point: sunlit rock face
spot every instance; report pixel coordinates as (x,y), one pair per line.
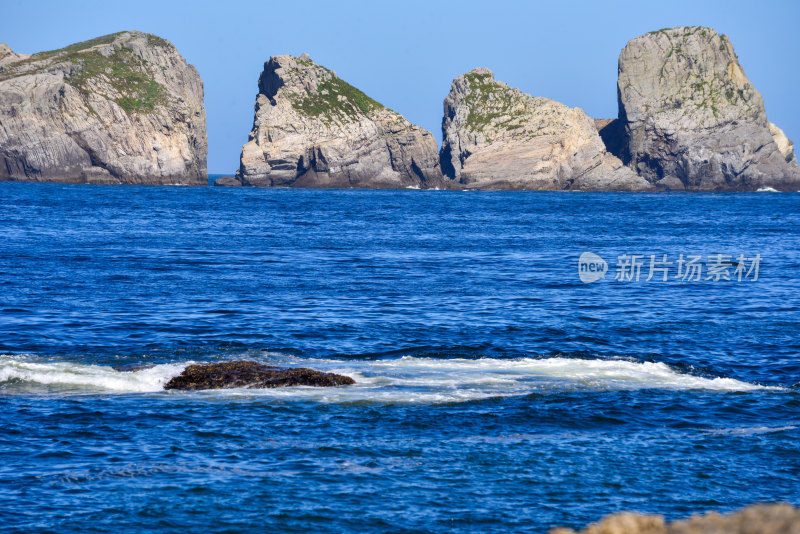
(692,120)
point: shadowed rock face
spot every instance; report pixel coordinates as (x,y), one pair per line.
(312,129)
(120,109)
(693,120)
(496,137)
(227,181)
(756,519)
(253,375)
(611,133)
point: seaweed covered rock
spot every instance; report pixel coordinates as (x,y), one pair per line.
(123,108)
(313,129)
(692,119)
(496,137)
(247,374)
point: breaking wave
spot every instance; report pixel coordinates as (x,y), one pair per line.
(29,376)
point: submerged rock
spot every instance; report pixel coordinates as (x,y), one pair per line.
(756,519)
(312,129)
(245,374)
(123,108)
(692,119)
(496,137)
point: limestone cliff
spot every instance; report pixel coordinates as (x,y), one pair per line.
(124,108)
(692,119)
(496,137)
(312,129)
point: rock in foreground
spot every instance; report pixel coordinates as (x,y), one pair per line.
(692,120)
(756,519)
(312,129)
(121,109)
(496,137)
(244,374)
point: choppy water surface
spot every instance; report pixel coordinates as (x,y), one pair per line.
(495,391)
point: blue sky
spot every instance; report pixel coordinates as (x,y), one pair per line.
(406,53)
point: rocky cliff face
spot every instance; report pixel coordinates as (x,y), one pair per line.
(496,137)
(312,129)
(124,108)
(693,120)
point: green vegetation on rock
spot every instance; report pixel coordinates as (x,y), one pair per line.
(491,103)
(155,40)
(336,97)
(77,47)
(125,72)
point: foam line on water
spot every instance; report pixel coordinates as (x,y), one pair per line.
(74,376)
(405,380)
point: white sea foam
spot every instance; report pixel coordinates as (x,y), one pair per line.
(401,380)
(411,379)
(67,376)
(747,431)
(767,190)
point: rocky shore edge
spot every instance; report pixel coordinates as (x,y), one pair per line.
(754,519)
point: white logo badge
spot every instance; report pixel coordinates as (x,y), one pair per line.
(591,267)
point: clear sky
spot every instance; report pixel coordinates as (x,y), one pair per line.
(405,53)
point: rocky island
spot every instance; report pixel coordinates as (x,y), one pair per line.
(689,118)
(127,108)
(496,137)
(120,109)
(313,129)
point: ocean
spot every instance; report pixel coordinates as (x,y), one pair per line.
(515,368)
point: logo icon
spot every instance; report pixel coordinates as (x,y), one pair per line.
(591,267)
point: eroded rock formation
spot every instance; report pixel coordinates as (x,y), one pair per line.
(123,108)
(692,120)
(313,129)
(496,137)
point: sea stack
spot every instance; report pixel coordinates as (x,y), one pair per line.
(121,109)
(691,120)
(496,137)
(313,129)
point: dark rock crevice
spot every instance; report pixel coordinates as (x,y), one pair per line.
(612,132)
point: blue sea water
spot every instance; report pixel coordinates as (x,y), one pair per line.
(495,391)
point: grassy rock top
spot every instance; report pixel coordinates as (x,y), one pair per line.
(315,91)
(494,110)
(112,66)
